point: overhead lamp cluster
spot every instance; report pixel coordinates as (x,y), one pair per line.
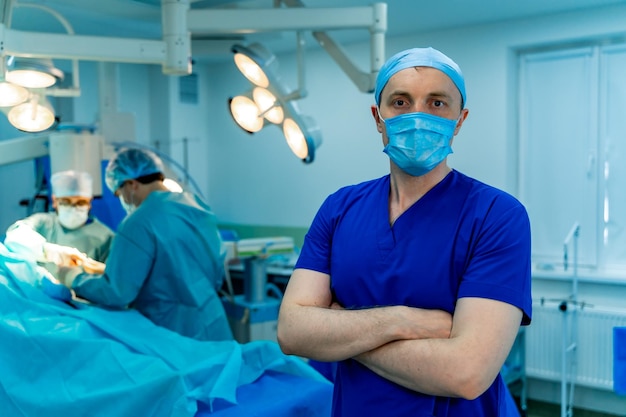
(269,102)
(22,92)
(27,78)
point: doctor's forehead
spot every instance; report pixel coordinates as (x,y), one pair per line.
(425,80)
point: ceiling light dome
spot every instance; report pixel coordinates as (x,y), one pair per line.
(32,72)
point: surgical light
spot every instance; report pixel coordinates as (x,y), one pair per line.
(246,113)
(269,102)
(12,94)
(34,115)
(302,137)
(32,73)
(268,105)
(254,61)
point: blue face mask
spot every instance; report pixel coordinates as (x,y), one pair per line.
(418,142)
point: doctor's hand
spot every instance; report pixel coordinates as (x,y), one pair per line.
(63,255)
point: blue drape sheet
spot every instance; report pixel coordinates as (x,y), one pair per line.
(61,358)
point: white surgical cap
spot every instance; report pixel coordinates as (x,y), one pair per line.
(72,184)
(130,164)
(420,57)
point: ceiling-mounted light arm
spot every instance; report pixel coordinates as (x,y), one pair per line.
(74,91)
(365,81)
(296,17)
(107,49)
(90,48)
(301,92)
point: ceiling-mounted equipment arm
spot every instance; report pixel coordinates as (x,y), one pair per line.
(173,52)
(176,36)
(90,48)
(299,18)
(365,81)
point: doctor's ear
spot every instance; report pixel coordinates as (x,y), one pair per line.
(462,118)
(377,119)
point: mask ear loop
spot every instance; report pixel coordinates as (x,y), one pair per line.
(379,115)
(456,124)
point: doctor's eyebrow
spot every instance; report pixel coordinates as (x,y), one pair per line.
(437,95)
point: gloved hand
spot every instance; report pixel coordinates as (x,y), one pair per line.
(63,255)
(91,266)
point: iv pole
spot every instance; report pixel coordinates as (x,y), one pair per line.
(569,338)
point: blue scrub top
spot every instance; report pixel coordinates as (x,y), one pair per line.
(166,263)
(461,239)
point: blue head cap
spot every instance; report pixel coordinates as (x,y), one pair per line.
(420,57)
(130,164)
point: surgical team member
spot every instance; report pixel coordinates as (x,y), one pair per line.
(67,235)
(166,257)
(418,281)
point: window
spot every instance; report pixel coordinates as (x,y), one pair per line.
(572,118)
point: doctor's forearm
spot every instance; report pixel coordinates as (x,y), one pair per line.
(431,366)
(330,334)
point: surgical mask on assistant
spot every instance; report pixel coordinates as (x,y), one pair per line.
(128,208)
(418,142)
(73,217)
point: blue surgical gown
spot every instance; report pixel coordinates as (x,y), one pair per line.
(165,262)
(461,239)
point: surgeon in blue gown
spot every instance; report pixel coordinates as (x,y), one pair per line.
(166,259)
(416,282)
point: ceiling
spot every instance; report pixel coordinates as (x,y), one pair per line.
(142,18)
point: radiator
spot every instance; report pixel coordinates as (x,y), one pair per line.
(593,356)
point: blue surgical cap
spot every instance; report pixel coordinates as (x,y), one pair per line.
(420,57)
(130,164)
(71,184)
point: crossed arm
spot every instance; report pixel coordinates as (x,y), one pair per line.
(428,351)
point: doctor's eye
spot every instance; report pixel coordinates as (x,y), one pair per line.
(69,203)
(400,102)
(438,103)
